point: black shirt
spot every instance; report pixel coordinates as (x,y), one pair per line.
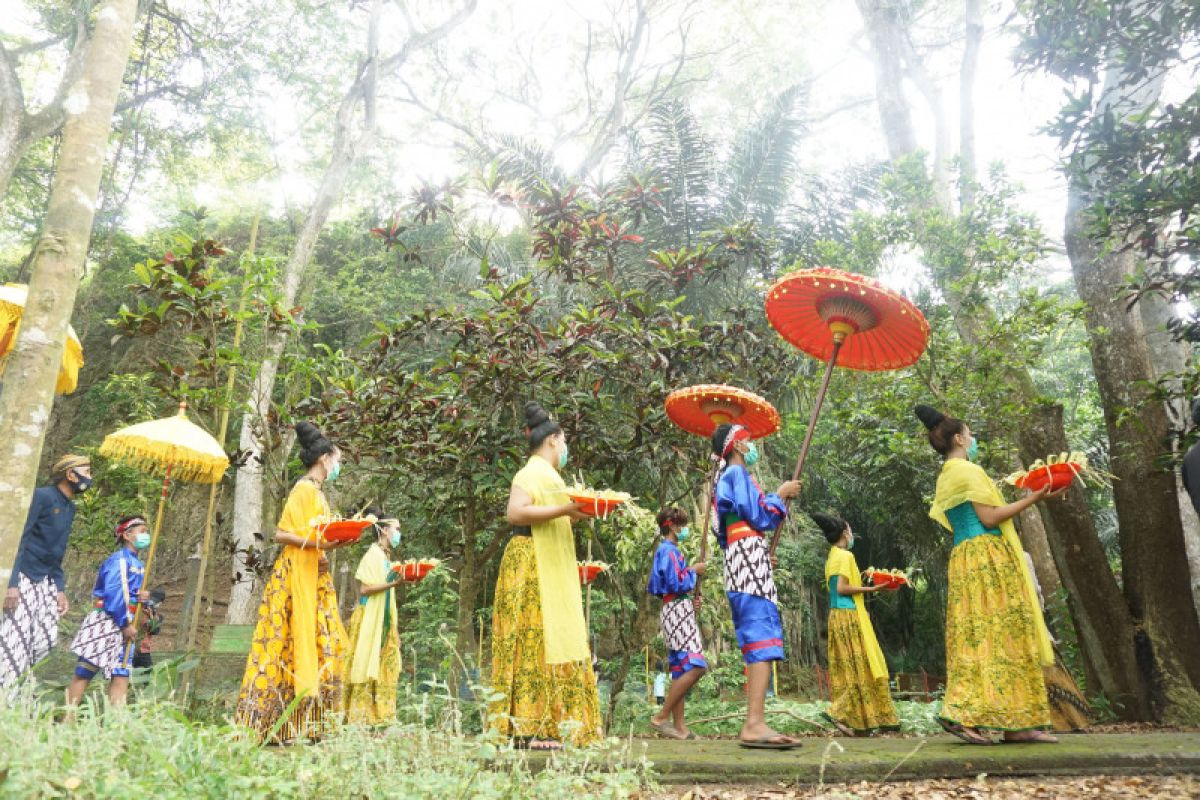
(44,541)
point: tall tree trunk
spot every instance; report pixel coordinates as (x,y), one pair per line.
(28,391)
(350,140)
(1154,576)
(1170,357)
(1102,622)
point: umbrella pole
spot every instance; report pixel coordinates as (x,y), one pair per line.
(158,518)
(812,422)
(708,493)
(587,615)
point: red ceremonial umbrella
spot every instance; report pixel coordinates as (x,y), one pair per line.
(700,409)
(845,320)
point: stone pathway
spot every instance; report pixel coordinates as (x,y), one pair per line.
(722,761)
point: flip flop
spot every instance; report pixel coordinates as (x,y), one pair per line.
(768,743)
(1037,740)
(956,730)
(842,729)
(666,729)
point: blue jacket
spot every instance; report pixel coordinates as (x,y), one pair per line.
(738,496)
(670,573)
(119,570)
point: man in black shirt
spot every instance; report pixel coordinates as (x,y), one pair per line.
(35,600)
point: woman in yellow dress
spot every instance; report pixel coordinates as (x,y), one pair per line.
(541,662)
(996,639)
(299,642)
(373,668)
(858,674)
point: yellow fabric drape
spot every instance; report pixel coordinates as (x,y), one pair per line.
(558,574)
(373,570)
(305,509)
(961,481)
(841,562)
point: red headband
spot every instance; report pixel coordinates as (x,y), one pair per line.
(127,524)
(736,434)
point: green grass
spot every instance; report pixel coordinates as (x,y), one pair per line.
(786,716)
(154,750)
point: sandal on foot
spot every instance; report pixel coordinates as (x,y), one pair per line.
(954,729)
(1038,737)
(666,729)
(841,728)
(769,743)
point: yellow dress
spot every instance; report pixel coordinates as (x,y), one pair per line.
(858,677)
(996,643)
(299,641)
(542,698)
(373,669)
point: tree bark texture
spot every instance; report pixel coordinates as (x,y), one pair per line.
(28,390)
(1154,573)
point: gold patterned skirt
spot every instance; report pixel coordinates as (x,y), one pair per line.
(268,686)
(372,702)
(858,700)
(538,697)
(993,672)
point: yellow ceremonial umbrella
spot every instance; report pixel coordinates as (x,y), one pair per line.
(12,306)
(171,447)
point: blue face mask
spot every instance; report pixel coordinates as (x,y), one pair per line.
(563,456)
(850,544)
(973,449)
(683,534)
(751,457)
(395,539)
(333,473)
(141,541)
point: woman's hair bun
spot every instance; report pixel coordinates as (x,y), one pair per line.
(929,416)
(307,433)
(535,415)
(832,527)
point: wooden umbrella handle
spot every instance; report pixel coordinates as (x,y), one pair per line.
(812,426)
(708,493)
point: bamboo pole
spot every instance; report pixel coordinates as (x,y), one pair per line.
(222,430)
(587,611)
(649,682)
(131,647)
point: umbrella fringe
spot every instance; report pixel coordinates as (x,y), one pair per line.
(153,458)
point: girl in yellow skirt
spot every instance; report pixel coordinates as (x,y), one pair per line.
(541,662)
(299,642)
(373,669)
(858,674)
(996,639)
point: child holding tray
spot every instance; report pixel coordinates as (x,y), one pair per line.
(858,674)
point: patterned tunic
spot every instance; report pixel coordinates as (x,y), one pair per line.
(671,580)
(744,514)
(99,641)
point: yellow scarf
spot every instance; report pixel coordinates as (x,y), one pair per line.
(841,562)
(372,570)
(305,509)
(564,632)
(961,482)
